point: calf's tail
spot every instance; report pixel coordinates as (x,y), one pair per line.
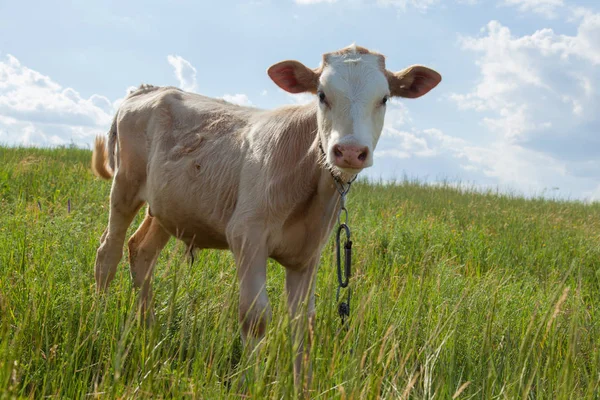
(103,156)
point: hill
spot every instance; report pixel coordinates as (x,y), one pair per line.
(456,293)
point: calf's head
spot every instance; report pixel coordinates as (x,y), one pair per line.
(353,87)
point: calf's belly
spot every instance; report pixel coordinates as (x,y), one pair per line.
(188,217)
(194,233)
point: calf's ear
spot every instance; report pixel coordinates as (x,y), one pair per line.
(412,82)
(294,77)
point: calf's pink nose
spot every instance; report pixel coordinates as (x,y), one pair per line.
(350,156)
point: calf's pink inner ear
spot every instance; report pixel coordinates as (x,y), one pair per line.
(294,77)
(413,82)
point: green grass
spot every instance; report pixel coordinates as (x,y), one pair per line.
(455,293)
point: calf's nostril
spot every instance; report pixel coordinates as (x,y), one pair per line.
(337,152)
(362,156)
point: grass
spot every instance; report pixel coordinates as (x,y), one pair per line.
(457,294)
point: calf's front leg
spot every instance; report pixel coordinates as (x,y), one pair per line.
(250,255)
(300,287)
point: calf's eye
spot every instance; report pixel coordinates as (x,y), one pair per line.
(384,101)
(322,97)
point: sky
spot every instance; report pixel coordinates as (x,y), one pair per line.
(518,108)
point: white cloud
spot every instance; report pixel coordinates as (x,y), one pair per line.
(435,155)
(238,98)
(513,123)
(547,8)
(515,166)
(586,44)
(299,98)
(28,95)
(523,78)
(304,2)
(401,5)
(425,151)
(37,110)
(397,112)
(421,5)
(538,104)
(407,144)
(184,72)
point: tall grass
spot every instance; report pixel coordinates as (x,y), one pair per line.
(457,294)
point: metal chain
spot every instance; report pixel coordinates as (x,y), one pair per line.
(343,274)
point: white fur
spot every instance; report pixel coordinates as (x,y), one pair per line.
(354,85)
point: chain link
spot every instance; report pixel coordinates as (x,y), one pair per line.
(343,273)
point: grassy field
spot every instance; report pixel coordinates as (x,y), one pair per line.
(456,295)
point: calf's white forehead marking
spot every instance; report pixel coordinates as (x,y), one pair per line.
(357,77)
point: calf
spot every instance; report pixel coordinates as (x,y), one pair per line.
(260,183)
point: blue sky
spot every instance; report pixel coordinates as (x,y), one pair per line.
(518,107)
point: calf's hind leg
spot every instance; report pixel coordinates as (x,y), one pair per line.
(144,247)
(124,204)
